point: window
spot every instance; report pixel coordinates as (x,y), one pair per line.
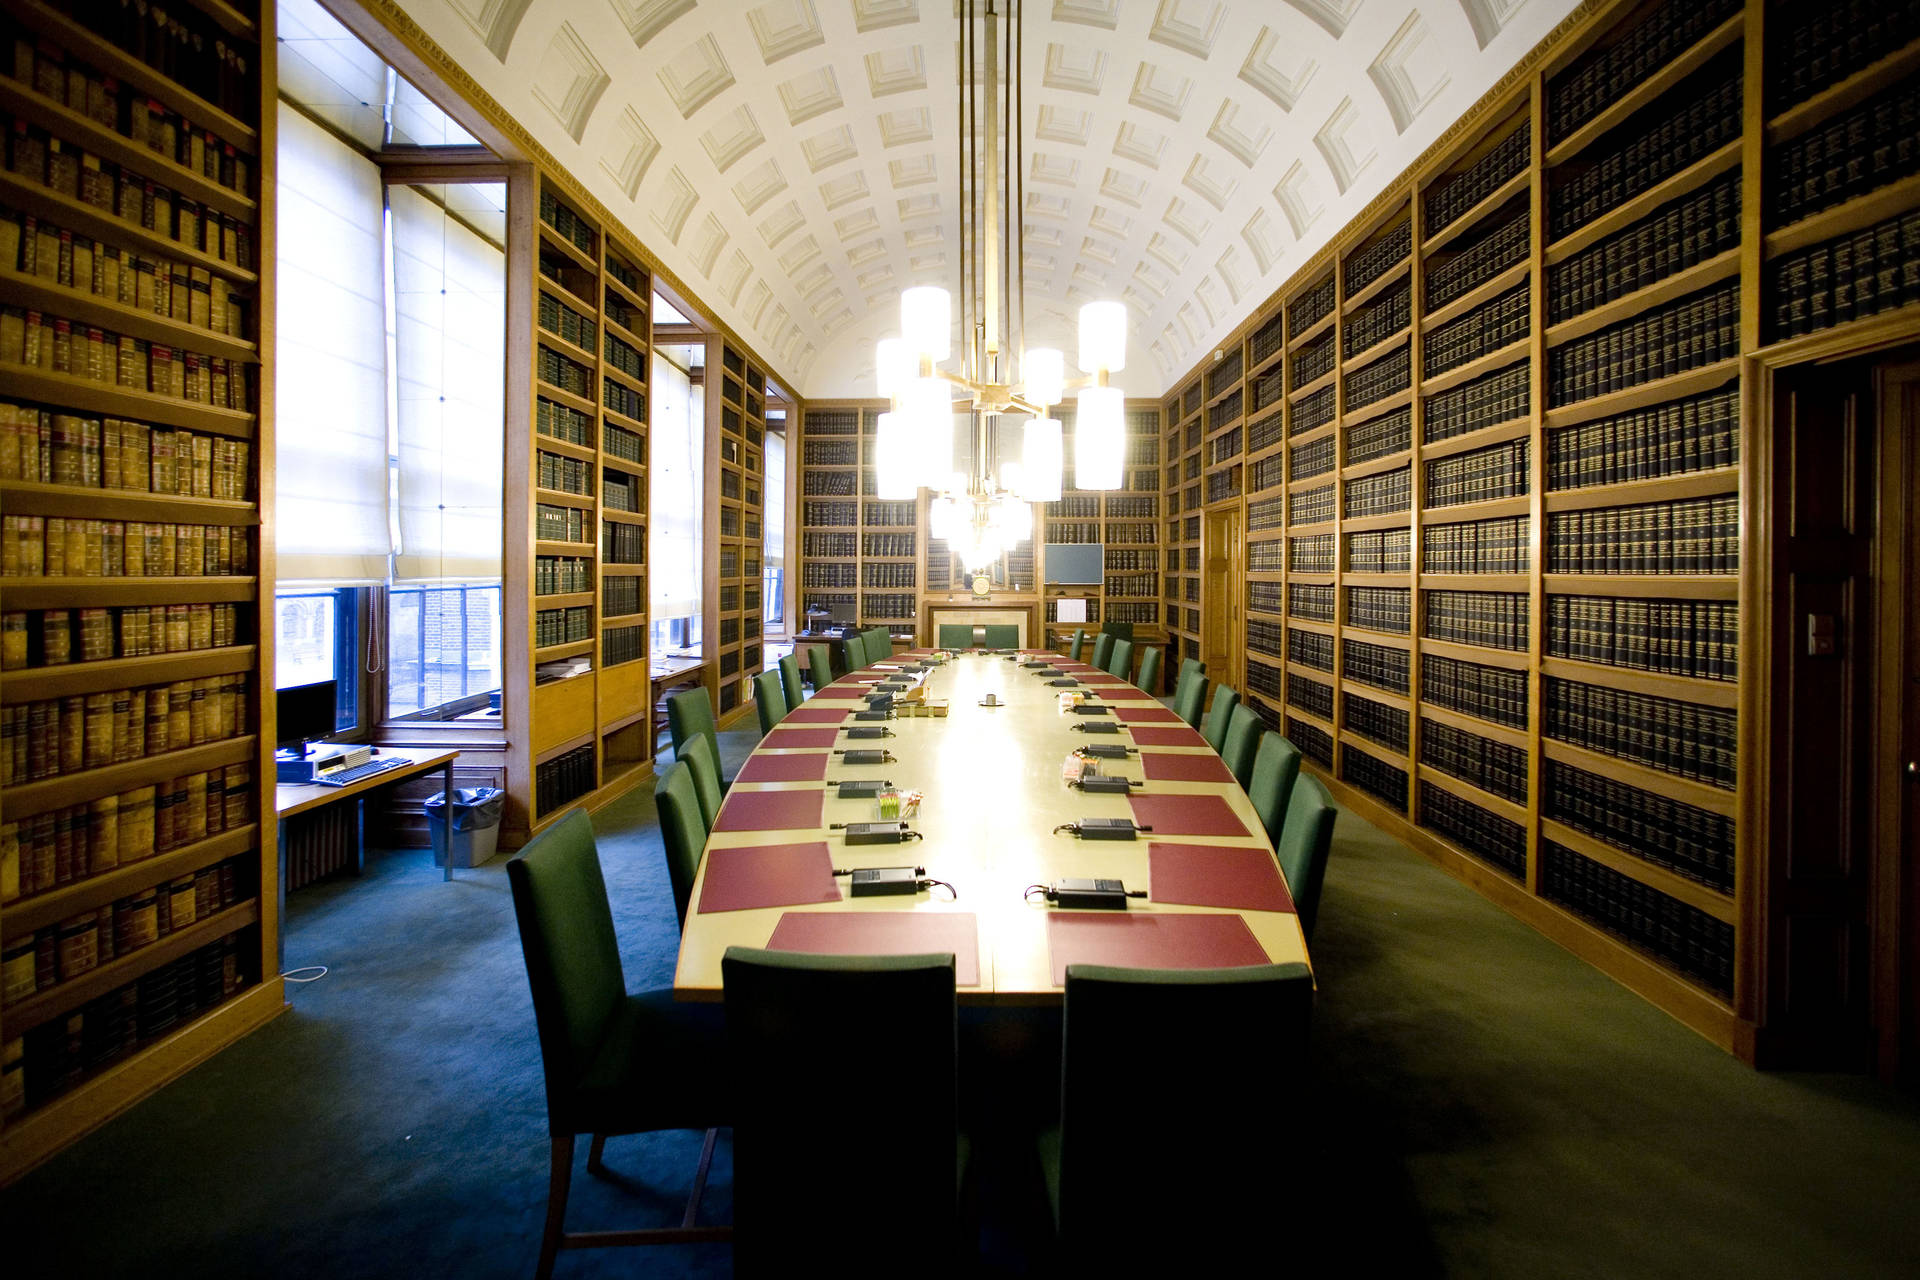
(317,637)
(444,649)
(676,458)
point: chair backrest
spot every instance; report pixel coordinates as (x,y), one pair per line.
(690,712)
(1102,650)
(1192,666)
(1079,643)
(1275,766)
(572,954)
(879,645)
(790,681)
(799,1029)
(819,666)
(1190,696)
(1149,678)
(1219,1046)
(1002,635)
(1243,741)
(704,765)
(1118,630)
(1305,841)
(1219,716)
(956,635)
(685,836)
(1120,659)
(769,700)
(856,649)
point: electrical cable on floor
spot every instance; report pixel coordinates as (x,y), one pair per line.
(318,971)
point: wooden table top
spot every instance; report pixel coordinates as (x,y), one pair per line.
(993,795)
(298,798)
(668,668)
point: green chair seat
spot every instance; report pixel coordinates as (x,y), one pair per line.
(1219,716)
(1305,841)
(769,700)
(1275,767)
(790,682)
(1244,731)
(1149,678)
(956,635)
(1000,635)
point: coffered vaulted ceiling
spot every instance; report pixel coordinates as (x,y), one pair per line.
(794,162)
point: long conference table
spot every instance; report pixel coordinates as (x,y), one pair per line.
(993,796)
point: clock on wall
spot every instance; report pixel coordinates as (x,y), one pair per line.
(982,586)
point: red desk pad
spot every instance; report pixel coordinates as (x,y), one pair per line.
(1121,692)
(1153,713)
(1201,875)
(1149,941)
(770,811)
(1159,766)
(1180,816)
(1167,736)
(768,875)
(1097,677)
(765,768)
(884,933)
(820,715)
(782,739)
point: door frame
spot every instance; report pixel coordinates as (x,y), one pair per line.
(1232,519)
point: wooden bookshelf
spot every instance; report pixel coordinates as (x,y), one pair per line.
(138,905)
(736,427)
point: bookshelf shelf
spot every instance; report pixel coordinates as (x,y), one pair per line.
(1460,512)
(31,684)
(1677,586)
(622,420)
(1512,659)
(554,445)
(1362,524)
(560,497)
(1350,579)
(1722,37)
(567,398)
(1724,266)
(37,294)
(86,593)
(43,909)
(550,238)
(122,402)
(25,497)
(548,338)
(1705,378)
(1476,296)
(1373,466)
(1697,794)
(1388,279)
(1506,735)
(1379,348)
(1473,217)
(1352,741)
(565,295)
(1467,791)
(70,214)
(1310,333)
(1295,394)
(1696,895)
(1377,409)
(1855,215)
(629,296)
(1692,178)
(1475,582)
(1712,693)
(28,798)
(1498,433)
(1673,488)
(626,380)
(1843,95)
(1498,358)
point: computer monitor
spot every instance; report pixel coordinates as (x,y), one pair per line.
(844,613)
(304,713)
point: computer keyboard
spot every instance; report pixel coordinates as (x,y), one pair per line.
(342,777)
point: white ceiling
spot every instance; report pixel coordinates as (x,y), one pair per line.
(794,162)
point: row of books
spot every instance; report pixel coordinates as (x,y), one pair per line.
(554,523)
(828,545)
(562,626)
(1138,507)
(1316,457)
(48,447)
(1389,375)
(1311,506)
(1268,597)
(622,543)
(1267,389)
(561,575)
(65,845)
(1680,936)
(1129,534)
(1447,199)
(563,778)
(1699,116)
(619,398)
(1126,561)
(176,290)
(1269,556)
(1873,145)
(1267,339)
(1490,326)
(1697,536)
(1224,410)
(1375,721)
(1380,551)
(1477,546)
(1310,555)
(889,515)
(562,474)
(567,274)
(1310,412)
(1684,738)
(1481,475)
(1262,513)
(622,491)
(1498,768)
(622,644)
(893,544)
(1138,612)
(830,453)
(622,595)
(1815,45)
(1680,837)
(561,320)
(1680,234)
(1133,584)
(1376,777)
(1846,278)
(634,279)
(561,422)
(1695,434)
(620,312)
(182,43)
(58,546)
(1314,361)
(888,574)
(1075,507)
(54,344)
(1309,308)
(1380,494)
(1697,330)
(1310,649)
(1695,638)
(559,371)
(1377,437)
(1491,399)
(1263,679)
(1387,609)
(56,637)
(1311,696)
(1602,77)
(1490,619)
(1374,324)
(1224,372)
(53,737)
(829,513)
(1307,601)
(828,484)
(1485,256)
(1481,832)
(890,607)
(1368,264)
(567,224)
(1496,694)
(1382,666)
(1314,742)
(830,573)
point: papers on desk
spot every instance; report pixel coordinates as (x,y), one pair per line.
(768,875)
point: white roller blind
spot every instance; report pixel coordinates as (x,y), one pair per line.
(775,494)
(450,356)
(330,406)
(678,422)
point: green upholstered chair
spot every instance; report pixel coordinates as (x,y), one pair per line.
(856,649)
(1120,659)
(803,1030)
(1192,666)
(790,683)
(1149,677)
(615,1062)
(1000,635)
(819,666)
(698,756)
(690,712)
(1118,630)
(1179,1181)
(956,635)
(1102,650)
(1190,695)
(770,700)
(1244,731)
(1305,841)
(1079,643)
(677,801)
(1219,716)
(1275,766)
(879,645)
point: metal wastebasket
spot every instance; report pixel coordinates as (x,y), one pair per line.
(476,824)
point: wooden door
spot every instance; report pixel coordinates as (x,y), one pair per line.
(1222,645)
(1897,753)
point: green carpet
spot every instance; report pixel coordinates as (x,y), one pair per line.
(1487,1105)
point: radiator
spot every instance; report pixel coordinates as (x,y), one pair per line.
(319,842)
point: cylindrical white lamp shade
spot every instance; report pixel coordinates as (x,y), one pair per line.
(1045,375)
(928,409)
(1103,337)
(926,321)
(941,513)
(893,367)
(894,475)
(1042,456)
(1099,438)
